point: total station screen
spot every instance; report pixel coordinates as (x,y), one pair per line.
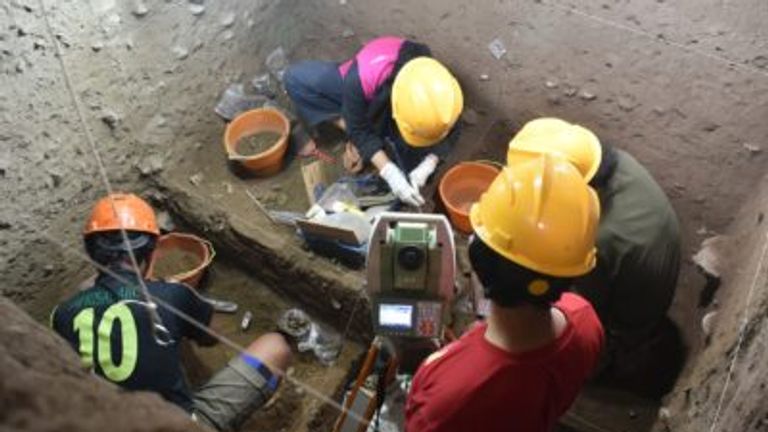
(395,315)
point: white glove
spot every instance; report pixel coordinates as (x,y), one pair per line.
(400,186)
(421,173)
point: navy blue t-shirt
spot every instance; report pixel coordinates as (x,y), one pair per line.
(112,331)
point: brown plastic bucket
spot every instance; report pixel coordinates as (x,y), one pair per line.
(193,245)
(461,187)
(252,122)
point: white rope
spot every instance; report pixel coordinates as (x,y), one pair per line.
(159,331)
(742,334)
(638,32)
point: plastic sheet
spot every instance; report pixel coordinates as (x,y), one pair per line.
(234,101)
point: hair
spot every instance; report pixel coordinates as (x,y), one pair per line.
(608,162)
(109,249)
(509,284)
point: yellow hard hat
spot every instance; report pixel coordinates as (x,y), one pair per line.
(426,101)
(576,143)
(540,214)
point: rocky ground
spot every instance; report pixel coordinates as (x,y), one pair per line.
(681,85)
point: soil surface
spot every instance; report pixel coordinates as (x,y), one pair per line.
(173,262)
(294,408)
(255,144)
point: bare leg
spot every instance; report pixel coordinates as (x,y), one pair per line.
(273,350)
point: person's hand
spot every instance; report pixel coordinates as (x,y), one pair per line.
(400,186)
(421,173)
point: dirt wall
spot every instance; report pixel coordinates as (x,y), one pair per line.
(722,390)
(43,387)
(149,74)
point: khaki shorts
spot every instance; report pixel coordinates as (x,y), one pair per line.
(234,393)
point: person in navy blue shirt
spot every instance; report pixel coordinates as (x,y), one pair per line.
(110,325)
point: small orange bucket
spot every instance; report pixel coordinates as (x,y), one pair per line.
(461,187)
(270,161)
(199,250)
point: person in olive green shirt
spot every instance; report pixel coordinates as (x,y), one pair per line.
(638,240)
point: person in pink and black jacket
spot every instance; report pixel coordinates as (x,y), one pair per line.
(398,106)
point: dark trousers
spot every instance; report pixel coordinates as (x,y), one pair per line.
(316,90)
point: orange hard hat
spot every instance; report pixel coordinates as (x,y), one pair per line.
(122,211)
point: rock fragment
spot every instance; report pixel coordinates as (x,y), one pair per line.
(165,221)
(197,9)
(497,48)
(752,149)
(196,179)
(228,20)
(180,52)
(151,165)
(110,118)
(587,95)
(140,9)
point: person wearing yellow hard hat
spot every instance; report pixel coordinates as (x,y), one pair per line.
(115,330)
(398,106)
(638,241)
(534,233)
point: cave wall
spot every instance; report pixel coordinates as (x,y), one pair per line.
(148,73)
(723,388)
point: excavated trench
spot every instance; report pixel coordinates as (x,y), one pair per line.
(150,77)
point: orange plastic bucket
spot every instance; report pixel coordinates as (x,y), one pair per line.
(253,122)
(199,251)
(461,187)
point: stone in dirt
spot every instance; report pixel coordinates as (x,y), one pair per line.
(197,9)
(111,119)
(228,19)
(165,221)
(180,52)
(587,95)
(151,165)
(708,323)
(497,48)
(752,148)
(140,9)
(196,179)
(711,257)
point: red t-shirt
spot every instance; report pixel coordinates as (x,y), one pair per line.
(472,385)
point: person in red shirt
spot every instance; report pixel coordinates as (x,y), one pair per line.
(534,231)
